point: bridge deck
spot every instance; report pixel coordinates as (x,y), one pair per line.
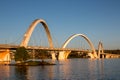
(14,47)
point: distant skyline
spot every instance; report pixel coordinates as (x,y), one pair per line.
(98,19)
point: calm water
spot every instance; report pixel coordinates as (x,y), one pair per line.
(71,69)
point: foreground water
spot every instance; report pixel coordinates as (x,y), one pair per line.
(71,69)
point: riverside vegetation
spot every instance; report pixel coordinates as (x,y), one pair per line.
(21,57)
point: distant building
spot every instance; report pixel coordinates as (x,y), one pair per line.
(5,56)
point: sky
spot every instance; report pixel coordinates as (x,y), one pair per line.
(99,20)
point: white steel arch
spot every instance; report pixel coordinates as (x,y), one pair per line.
(86,38)
(28,33)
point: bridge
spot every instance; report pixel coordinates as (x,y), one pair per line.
(14,47)
(102,54)
(63,51)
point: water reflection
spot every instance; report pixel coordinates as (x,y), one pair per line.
(96,69)
(100,69)
(4,72)
(21,72)
(63,71)
(71,69)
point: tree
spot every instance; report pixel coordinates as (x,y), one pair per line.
(21,54)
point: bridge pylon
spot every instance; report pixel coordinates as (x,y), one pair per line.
(100,50)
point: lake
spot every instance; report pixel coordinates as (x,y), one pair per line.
(70,69)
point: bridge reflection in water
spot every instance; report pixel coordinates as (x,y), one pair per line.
(71,69)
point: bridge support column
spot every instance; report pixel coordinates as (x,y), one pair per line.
(53,55)
(95,55)
(98,55)
(91,55)
(5,56)
(63,55)
(67,53)
(103,56)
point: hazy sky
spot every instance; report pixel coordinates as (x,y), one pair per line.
(98,19)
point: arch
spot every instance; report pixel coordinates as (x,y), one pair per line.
(86,38)
(28,33)
(100,49)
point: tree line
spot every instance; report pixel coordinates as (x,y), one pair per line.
(117,51)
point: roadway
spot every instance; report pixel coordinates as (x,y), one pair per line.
(14,47)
